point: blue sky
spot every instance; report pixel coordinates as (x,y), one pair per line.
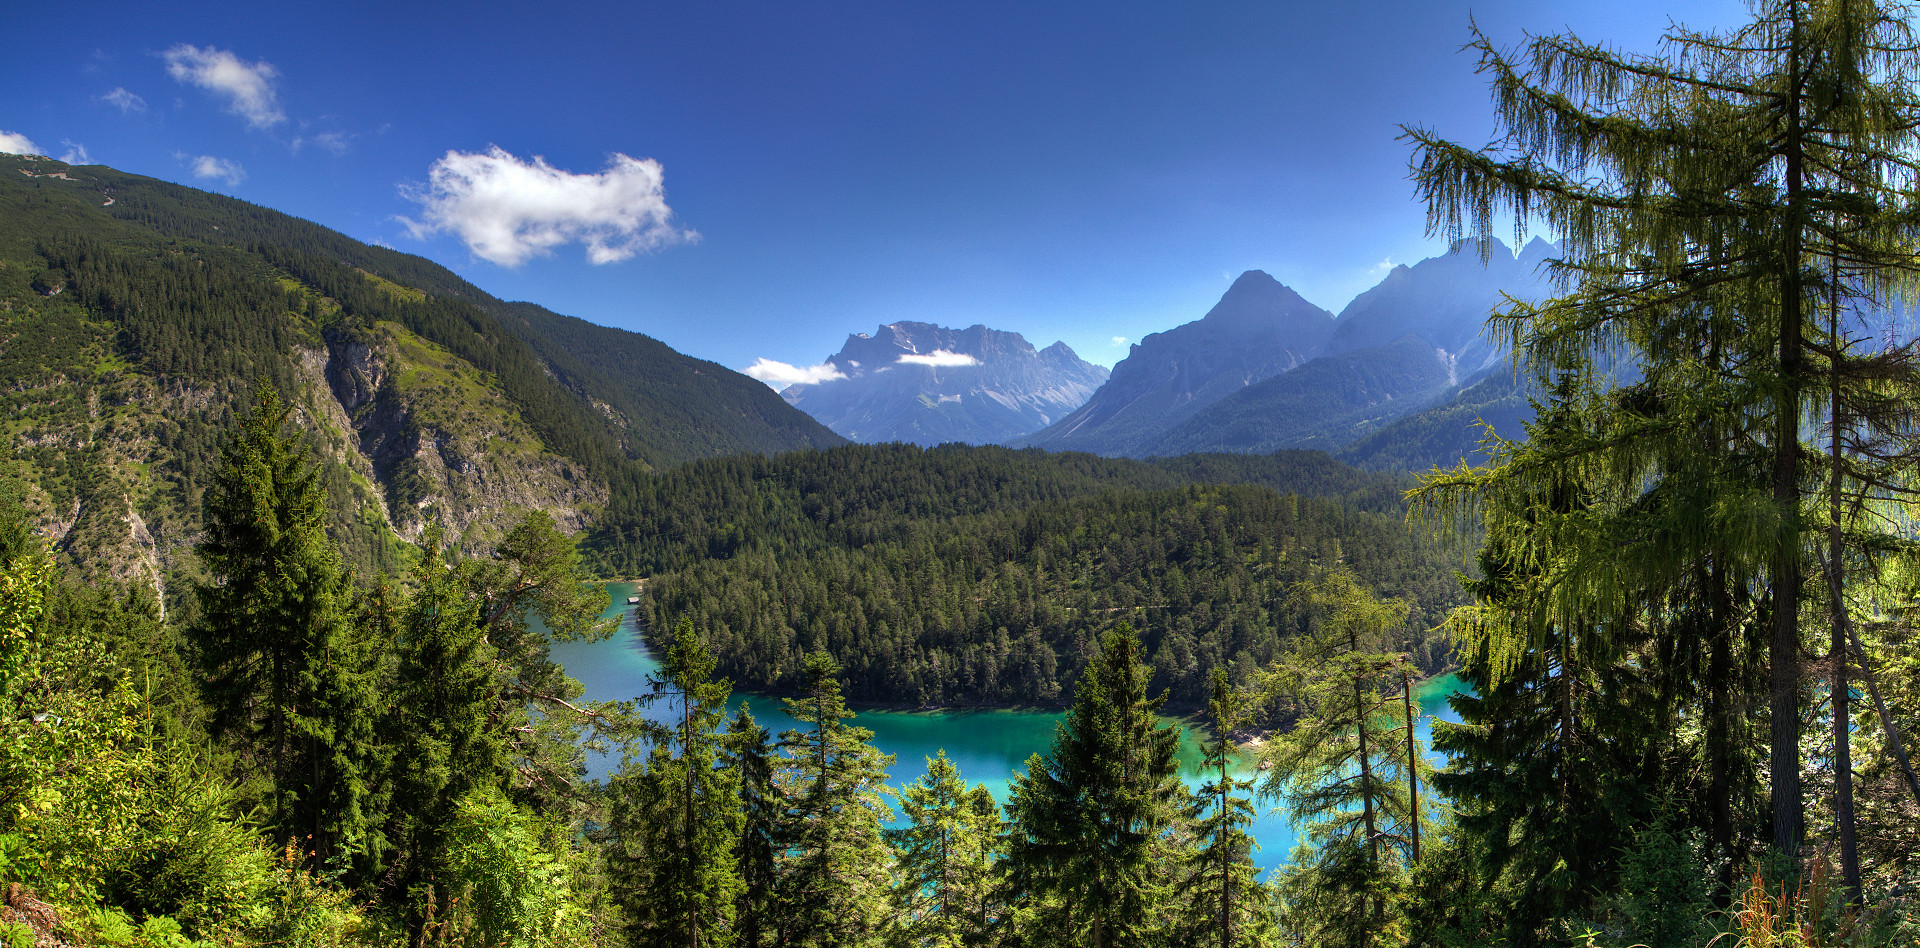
(758,180)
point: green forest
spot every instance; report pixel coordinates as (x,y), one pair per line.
(1686,603)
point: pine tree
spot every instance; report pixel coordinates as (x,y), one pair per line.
(679,820)
(1225,903)
(945,861)
(288,676)
(530,592)
(1089,817)
(833,885)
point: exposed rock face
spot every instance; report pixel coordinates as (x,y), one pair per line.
(444,446)
(927,384)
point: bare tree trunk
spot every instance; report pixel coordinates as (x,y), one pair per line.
(1413,765)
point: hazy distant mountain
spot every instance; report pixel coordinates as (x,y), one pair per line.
(1445,300)
(1259,329)
(927,385)
(1267,370)
(1450,432)
(1323,404)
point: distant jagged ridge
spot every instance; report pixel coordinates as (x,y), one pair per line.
(924,384)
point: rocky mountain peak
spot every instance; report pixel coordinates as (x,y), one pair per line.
(929,384)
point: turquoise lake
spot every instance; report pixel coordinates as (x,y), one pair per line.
(987,746)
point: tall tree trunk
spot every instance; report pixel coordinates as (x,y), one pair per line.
(1720,727)
(1366,788)
(1837,650)
(1413,766)
(1783,652)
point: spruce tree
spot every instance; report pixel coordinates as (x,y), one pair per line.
(945,861)
(750,754)
(447,744)
(1089,816)
(833,875)
(288,676)
(678,821)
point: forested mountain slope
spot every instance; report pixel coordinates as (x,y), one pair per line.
(1323,404)
(135,312)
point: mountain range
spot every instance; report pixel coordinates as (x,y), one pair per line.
(1266,370)
(925,384)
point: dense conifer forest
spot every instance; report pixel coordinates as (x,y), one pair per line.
(1684,606)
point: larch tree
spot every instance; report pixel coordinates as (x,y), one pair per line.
(1341,770)
(1706,200)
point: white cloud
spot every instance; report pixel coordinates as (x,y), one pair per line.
(248,87)
(218,169)
(939,358)
(76,153)
(123,100)
(1385,264)
(507,210)
(1119,340)
(781,375)
(14,143)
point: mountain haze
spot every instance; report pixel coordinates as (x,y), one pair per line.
(1260,373)
(1259,329)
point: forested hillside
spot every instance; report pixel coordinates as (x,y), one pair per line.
(1007,608)
(136,313)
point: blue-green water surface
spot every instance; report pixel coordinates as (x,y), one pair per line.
(987,745)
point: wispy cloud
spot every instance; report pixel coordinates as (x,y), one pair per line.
(781,375)
(14,143)
(216,169)
(76,153)
(335,142)
(939,358)
(1385,264)
(508,210)
(123,100)
(247,87)
(1119,340)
